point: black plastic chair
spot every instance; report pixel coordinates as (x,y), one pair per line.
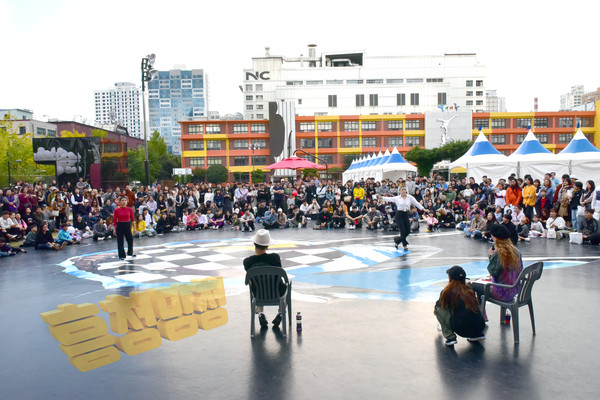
(526,279)
(264,291)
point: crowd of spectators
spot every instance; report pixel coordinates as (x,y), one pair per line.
(529,207)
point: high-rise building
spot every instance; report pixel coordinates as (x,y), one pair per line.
(493,103)
(590,97)
(120,105)
(355,83)
(176,95)
(569,101)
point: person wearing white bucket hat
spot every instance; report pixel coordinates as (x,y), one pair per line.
(261,258)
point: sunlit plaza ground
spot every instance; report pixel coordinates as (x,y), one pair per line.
(368,326)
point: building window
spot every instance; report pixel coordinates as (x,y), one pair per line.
(258,128)
(196,162)
(112,147)
(540,122)
(374,81)
(395,141)
(240,144)
(368,125)
(213,128)
(414,80)
(585,122)
(498,123)
(307,143)
(479,93)
(394,125)
(259,160)
(395,80)
(260,116)
(469,84)
(240,161)
(259,143)
(565,122)
(469,93)
(307,126)
(314,82)
(413,125)
(414,99)
(360,100)
(412,141)
(564,137)
(479,102)
(351,142)
(196,129)
(259,107)
(293,83)
(326,158)
(354,81)
(469,102)
(214,161)
(590,137)
(240,128)
(441,98)
(197,145)
(51,133)
(434,80)
(520,139)
(41,131)
(483,123)
(249,98)
(259,88)
(369,142)
(326,143)
(335,82)
(498,139)
(325,126)
(213,145)
(351,126)
(401,99)
(248,89)
(543,138)
(332,100)
(249,107)
(479,83)
(373,100)
(259,96)
(523,123)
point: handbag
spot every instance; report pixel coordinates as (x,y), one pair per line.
(575,238)
(580,211)
(551,234)
(54,213)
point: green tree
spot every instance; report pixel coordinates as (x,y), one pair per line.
(160,161)
(198,174)
(13,147)
(101,133)
(73,133)
(258,176)
(308,172)
(217,174)
(454,149)
(426,158)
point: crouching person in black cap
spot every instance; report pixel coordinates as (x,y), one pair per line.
(457,309)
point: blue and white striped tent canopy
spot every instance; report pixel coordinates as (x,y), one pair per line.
(396,162)
(532,150)
(578,146)
(481,152)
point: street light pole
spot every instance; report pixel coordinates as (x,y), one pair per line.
(148,73)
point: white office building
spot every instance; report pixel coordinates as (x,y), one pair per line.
(569,101)
(354,83)
(493,103)
(120,105)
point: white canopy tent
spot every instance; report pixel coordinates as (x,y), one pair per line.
(583,158)
(388,165)
(483,159)
(534,159)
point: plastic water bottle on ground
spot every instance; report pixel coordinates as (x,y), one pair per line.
(298,322)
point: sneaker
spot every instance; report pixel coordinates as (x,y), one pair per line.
(262,320)
(476,339)
(277,320)
(405,248)
(451,342)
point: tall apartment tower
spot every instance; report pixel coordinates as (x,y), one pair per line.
(355,83)
(569,101)
(176,95)
(120,105)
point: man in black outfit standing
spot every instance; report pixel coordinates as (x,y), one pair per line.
(261,258)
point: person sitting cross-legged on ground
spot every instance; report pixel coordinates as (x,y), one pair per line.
(324,219)
(477,226)
(65,237)
(261,258)
(457,309)
(354,218)
(591,232)
(432,222)
(373,217)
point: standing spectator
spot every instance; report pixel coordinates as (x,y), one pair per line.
(123,221)
(529,197)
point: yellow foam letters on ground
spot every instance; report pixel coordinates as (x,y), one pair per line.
(136,342)
(121,313)
(83,337)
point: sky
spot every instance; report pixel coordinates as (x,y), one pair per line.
(56,53)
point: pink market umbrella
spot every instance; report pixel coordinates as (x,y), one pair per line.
(294,163)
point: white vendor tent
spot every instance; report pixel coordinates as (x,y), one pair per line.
(483,159)
(534,159)
(388,165)
(583,158)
